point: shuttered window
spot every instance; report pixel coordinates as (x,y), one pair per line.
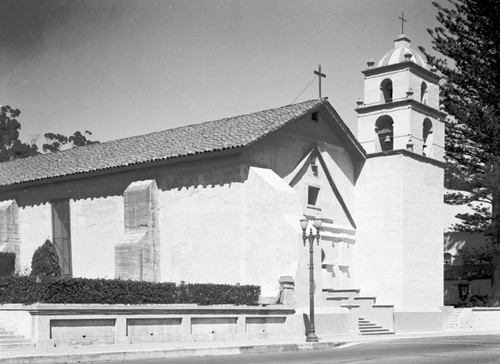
(61,234)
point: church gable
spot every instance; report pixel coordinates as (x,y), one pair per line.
(320,195)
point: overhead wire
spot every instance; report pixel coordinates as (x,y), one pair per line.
(309,84)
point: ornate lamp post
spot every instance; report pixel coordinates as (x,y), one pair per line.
(311,335)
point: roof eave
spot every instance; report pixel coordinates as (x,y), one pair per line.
(352,143)
(215,154)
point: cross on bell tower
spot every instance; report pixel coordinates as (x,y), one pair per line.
(403,21)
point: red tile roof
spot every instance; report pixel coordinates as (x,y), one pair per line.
(228,133)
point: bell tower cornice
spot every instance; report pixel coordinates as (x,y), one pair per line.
(418,106)
(415,68)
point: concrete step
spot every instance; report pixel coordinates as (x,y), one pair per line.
(375,329)
(20,340)
(379,333)
(336,301)
(10,337)
(366,327)
(6,333)
(454,321)
(17,346)
(350,293)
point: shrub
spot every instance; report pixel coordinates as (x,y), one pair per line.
(475,301)
(45,261)
(7,264)
(19,290)
(28,290)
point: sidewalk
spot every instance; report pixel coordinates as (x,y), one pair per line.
(87,354)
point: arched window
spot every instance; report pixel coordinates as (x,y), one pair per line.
(427,137)
(385,133)
(386,90)
(423,93)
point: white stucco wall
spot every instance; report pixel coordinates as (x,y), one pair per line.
(96,226)
(231,233)
(423,234)
(200,233)
(271,239)
(35,226)
(400,232)
(380,234)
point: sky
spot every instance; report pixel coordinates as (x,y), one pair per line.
(123,68)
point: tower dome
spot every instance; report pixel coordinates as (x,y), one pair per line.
(402,52)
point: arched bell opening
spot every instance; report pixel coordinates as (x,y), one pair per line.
(423,93)
(386,90)
(384,128)
(427,137)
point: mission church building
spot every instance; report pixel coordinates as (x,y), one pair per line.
(221,202)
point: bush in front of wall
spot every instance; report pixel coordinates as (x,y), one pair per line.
(19,289)
(217,294)
(7,264)
(45,261)
(27,290)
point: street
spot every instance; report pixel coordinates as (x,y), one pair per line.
(456,349)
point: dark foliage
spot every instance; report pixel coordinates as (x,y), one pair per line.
(10,145)
(27,290)
(7,264)
(475,301)
(54,142)
(45,261)
(471,263)
(469,39)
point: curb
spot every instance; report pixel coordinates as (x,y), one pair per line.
(146,354)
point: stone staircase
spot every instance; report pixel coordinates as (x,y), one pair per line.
(8,340)
(454,321)
(368,328)
(367,318)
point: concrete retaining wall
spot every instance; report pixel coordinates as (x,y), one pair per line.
(481,318)
(54,325)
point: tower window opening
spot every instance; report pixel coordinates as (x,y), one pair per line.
(384,127)
(427,137)
(423,93)
(312,195)
(386,90)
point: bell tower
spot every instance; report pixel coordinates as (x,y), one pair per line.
(399,193)
(400,108)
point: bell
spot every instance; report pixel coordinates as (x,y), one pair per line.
(387,139)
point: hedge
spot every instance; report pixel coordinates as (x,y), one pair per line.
(28,290)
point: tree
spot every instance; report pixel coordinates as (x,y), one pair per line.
(12,148)
(475,262)
(10,145)
(55,142)
(45,261)
(469,38)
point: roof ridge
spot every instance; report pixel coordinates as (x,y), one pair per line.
(187,126)
(210,136)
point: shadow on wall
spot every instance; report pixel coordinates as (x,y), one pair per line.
(203,173)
